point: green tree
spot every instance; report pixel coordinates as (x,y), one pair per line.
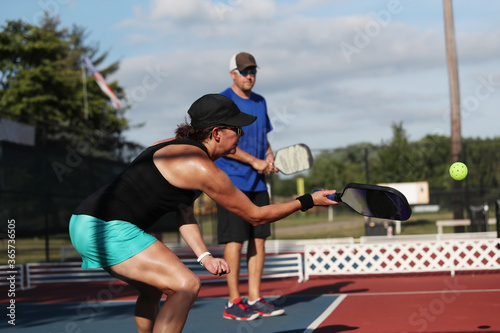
(283,187)
(331,172)
(434,153)
(357,155)
(36,74)
(41,84)
(394,162)
(483,162)
(400,160)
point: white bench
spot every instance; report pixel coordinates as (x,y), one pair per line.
(427,237)
(457,223)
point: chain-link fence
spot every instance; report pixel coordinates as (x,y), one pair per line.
(40,187)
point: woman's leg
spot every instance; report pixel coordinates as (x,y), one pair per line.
(147,304)
(154,271)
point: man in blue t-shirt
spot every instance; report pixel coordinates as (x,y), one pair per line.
(247,168)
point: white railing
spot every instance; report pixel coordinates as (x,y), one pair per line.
(9,273)
(276,266)
(305,258)
(62,272)
(402,257)
(273,246)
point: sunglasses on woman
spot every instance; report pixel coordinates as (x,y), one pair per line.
(238,130)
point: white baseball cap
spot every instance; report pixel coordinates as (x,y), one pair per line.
(242,60)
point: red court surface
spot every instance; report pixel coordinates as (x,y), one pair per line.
(467,302)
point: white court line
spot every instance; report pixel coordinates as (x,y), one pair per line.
(325,314)
(395,293)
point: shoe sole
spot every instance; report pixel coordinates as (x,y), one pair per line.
(252,317)
(272,314)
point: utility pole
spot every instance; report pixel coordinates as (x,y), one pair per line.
(456,136)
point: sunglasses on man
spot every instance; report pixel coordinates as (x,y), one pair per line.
(245,72)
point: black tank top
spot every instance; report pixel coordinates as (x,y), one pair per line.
(140,194)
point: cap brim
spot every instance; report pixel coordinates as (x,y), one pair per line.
(240,120)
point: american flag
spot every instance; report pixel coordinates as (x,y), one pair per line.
(102,84)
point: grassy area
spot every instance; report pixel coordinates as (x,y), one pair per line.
(297,226)
(34,249)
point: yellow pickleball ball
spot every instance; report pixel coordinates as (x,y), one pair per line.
(458,171)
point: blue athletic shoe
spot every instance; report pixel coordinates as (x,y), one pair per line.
(239,311)
(266,309)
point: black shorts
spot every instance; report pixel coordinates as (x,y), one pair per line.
(232,228)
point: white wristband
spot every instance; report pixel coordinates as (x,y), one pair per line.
(203,255)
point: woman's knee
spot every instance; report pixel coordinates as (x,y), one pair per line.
(192,284)
(188,284)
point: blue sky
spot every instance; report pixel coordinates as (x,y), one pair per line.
(334,73)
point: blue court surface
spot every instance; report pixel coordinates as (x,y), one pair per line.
(205,316)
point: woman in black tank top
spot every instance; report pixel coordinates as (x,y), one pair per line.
(168,177)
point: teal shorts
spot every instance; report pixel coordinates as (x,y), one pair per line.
(106,243)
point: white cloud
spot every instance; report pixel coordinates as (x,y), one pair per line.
(196,11)
(397,71)
(398,74)
(177,10)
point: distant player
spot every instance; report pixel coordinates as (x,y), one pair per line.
(247,168)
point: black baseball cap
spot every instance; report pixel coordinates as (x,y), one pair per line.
(216,109)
